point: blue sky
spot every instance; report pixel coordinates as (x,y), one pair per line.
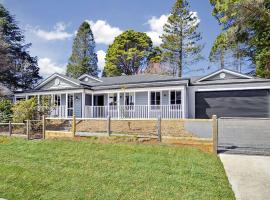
(50,25)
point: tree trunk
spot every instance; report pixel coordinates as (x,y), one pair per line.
(180,54)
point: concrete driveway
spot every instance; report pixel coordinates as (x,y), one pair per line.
(248,175)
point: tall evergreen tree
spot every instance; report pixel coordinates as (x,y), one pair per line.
(247,24)
(180,41)
(129,54)
(17,68)
(83,59)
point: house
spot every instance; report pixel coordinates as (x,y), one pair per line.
(225,93)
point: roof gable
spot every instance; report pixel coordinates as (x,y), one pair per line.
(57,81)
(224,74)
(89,79)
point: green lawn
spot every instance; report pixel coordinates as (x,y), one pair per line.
(55,169)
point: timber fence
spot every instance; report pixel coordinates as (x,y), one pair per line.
(190,132)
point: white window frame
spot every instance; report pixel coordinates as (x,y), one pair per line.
(155,106)
(113,97)
(56,100)
(131,99)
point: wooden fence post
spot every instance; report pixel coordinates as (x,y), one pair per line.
(27,129)
(74,125)
(159,128)
(10,128)
(43,127)
(215,134)
(109,125)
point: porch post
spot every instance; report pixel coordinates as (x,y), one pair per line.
(66,105)
(92,104)
(38,100)
(183,103)
(148,104)
(83,104)
(118,104)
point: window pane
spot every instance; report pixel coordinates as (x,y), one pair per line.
(172,97)
(158,96)
(153,96)
(178,97)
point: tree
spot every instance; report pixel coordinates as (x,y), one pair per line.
(129,54)
(247,24)
(180,41)
(155,65)
(17,68)
(83,59)
(5,110)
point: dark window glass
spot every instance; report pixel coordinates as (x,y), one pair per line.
(178,97)
(155,98)
(175,97)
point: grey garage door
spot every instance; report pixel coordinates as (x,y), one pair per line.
(237,103)
(244,136)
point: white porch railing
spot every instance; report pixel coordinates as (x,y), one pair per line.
(58,111)
(136,111)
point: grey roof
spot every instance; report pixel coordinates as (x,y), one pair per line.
(231,81)
(133,79)
(146,80)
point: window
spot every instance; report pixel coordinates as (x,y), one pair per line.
(113,99)
(129,99)
(155,100)
(57,100)
(70,105)
(175,99)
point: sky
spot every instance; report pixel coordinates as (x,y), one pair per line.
(51,25)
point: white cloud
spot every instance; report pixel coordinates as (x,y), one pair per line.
(103,32)
(48,67)
(196,19)
(156,28)
(58,32)
(101,59)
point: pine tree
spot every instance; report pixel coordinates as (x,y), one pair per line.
(83,59)
(17,68)
(180,39)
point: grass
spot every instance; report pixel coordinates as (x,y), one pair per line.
(57,169)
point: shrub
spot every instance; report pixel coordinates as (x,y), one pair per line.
(24,110)
(5,110)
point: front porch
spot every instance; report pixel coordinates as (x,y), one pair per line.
(137,104)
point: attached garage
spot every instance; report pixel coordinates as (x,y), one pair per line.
(234,103)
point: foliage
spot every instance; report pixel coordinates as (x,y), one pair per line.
(17,68)
(180,41)
(129,54)
(155,55)
(61,169)
(246,22)
(83,59)
(5,110)
(25,110)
